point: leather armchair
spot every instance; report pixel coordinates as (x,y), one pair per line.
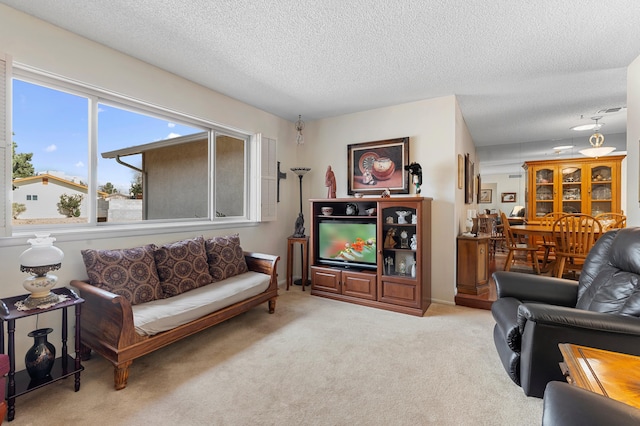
(567,405)
(602,310)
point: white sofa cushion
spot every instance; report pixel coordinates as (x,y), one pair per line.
(164,314)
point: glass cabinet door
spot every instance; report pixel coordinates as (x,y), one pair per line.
(601,189)
(399,245)
(545,191)
(572,190)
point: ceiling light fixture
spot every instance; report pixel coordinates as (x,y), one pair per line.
(299,128)
(596,140)
(583,127)
(562,147)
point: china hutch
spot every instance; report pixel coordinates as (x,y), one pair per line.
(387,266)
(577,185)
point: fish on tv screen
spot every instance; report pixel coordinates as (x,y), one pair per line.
(347,242)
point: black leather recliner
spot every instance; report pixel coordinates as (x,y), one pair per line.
(535,313)
(567,405)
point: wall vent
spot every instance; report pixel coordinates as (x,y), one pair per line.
(515,176)
(610,110)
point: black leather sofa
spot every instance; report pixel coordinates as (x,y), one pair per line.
(567,405)
(534,313)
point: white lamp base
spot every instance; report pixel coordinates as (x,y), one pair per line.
(40,289)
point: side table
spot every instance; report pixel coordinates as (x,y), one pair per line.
(21,383)
(304,242)
(472,275)
(612,374)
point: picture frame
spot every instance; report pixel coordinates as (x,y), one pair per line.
(468,179)
(460,171)
(486,196)
(508,197)
(376,166)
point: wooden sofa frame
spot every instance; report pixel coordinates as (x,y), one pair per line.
(107,320)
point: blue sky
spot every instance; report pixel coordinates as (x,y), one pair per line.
(53,125)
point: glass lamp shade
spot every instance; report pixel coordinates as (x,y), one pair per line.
(597,152)
(38,260)
(42,252)
(300,171)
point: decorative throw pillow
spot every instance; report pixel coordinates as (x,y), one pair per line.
(182,266)
(226,258)
(130,273)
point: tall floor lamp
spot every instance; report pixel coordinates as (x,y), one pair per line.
(299,226)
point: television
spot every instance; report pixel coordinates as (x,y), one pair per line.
(347,244)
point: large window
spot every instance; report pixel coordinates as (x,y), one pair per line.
(95,159)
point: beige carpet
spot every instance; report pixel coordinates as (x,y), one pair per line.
(314,362)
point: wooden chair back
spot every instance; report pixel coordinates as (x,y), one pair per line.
(612,220)
(574,235)
(513,245)
(487,224)
(550,218)
(506,230)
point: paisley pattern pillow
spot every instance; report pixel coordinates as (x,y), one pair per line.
(226,258)
(182,266)
(130,273)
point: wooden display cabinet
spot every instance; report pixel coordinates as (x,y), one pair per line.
(578,185)
(401,280)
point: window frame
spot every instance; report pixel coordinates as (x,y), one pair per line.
(94,229)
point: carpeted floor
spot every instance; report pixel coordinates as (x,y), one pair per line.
(314,362)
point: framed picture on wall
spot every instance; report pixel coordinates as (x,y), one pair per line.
(485,196)
(508,197)
(460,171)
(468,179)
(376,166)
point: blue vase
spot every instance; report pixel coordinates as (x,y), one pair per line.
(40,357)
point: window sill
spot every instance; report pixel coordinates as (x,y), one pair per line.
(80,233)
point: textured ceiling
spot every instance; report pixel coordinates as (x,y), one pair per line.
(522,71)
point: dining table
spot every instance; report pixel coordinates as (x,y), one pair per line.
(532,229)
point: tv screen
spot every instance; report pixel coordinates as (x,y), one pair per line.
(347,243)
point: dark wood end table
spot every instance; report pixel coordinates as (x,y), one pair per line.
(21,383)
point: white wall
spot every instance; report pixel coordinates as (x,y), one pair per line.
(431,127)
(37,44)
(633,142)
(504,183)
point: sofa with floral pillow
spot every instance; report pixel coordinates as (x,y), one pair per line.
(140,299)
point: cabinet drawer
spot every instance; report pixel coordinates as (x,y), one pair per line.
(400,293)
(325,279)
(359,284)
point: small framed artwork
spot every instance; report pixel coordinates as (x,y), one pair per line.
(485,196)
(508,197)
(468,179)
(460,171)
(376,166)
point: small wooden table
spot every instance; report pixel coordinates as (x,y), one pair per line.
(304,243)
(612,374)
(20,383)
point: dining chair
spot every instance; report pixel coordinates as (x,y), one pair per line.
(574,235)
(621,223)
(488,225)
(611,220)
(515,246)
(547,242)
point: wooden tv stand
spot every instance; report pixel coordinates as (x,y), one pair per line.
(393,284)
